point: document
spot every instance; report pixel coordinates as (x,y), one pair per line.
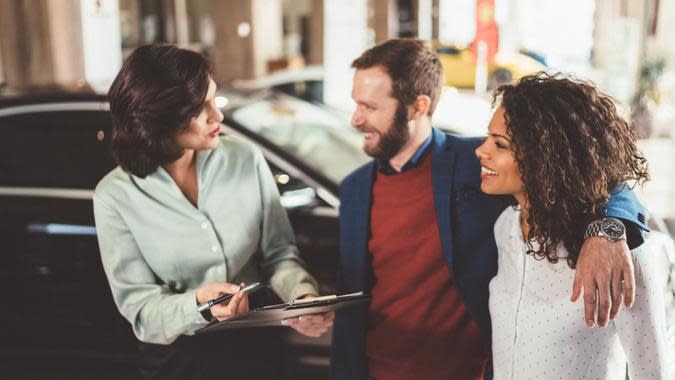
(272,315)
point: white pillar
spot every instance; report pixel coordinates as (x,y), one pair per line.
(424,19)
(507,16)
(345,38)
(182,27)
(267,33)
(102,45)
(457,21)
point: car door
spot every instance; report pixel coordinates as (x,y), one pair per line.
(58,306)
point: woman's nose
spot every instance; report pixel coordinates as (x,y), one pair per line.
(217,116)
(479,152)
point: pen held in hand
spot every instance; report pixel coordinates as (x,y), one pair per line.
(225,297)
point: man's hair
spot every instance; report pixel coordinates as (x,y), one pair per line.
(152,99)
(413,67)
(572,148)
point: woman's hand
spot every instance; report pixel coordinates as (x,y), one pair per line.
(236,305)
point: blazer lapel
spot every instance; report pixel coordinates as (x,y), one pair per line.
(442,171)
(355,227)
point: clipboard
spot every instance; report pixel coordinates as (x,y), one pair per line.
(272,315)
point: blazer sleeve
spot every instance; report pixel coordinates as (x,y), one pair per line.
(624,205)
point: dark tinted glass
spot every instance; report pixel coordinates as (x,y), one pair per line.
(55,149)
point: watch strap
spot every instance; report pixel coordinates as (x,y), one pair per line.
(593,229)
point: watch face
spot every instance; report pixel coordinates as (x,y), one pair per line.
(612,228)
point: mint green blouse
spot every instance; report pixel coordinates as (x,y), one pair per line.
(157,248)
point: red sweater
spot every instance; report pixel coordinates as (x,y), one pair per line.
(418,327)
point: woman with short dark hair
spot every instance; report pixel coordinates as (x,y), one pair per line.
(560,147)
(188,216)
(154,97)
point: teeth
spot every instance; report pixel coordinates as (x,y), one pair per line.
(487,171)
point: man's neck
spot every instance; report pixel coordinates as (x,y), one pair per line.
(421,133)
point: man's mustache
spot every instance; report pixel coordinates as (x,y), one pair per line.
(367,129)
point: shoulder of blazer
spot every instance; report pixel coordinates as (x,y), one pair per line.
(463,145)
(357,177)
(467,165)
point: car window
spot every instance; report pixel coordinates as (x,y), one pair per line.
(55,149)
(310,90)
(315,136)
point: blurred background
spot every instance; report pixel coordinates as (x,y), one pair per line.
(282,67)
(305,47)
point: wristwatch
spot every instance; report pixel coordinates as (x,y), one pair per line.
(610,228)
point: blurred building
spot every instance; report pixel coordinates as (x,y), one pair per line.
(620,44)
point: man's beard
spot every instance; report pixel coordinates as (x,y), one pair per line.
(391,142)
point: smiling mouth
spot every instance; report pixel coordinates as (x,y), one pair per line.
(487,172)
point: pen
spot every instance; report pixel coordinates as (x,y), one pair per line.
(313,299)
(225,297)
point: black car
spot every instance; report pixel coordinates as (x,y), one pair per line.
(58,318)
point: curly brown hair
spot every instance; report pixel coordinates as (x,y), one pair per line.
(572,148)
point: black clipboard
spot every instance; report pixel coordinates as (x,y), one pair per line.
(272,315)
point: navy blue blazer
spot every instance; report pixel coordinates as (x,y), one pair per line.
(465,217)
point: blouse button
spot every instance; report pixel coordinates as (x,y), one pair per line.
(214,248)
(205,225)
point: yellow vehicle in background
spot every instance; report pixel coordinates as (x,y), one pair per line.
(459,66)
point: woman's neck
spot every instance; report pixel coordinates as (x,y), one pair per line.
(180,168)
(183,171)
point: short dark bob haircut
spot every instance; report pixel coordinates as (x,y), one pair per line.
(152,100)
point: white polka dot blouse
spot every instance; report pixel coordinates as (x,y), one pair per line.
(537,333)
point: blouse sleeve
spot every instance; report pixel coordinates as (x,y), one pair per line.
(156,314)
(281,263)
(642,328)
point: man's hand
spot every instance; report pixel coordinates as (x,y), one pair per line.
(311,325)
(605,268)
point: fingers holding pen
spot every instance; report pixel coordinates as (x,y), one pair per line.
(227,309)
(236,305)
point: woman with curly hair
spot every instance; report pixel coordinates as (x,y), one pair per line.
(559,147)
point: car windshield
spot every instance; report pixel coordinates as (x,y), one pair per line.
(315,136)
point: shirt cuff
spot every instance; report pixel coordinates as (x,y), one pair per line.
(190,314)
(634,236)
